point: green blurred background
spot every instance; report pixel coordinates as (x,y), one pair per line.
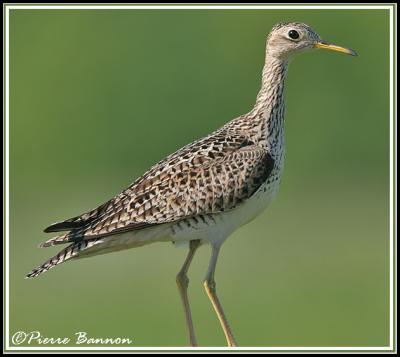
(98,96)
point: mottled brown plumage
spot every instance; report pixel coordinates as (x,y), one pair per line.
(211,176)
(204,191)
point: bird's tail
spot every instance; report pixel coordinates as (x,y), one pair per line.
(67,253)
(61,239)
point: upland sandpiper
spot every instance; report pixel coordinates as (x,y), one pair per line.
(203,192)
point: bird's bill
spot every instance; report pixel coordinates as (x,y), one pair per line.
(332,47)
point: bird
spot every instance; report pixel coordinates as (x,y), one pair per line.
(204,191)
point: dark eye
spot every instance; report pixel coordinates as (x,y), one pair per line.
(293,34)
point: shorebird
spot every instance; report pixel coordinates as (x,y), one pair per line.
(203,192)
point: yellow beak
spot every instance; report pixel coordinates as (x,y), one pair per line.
(333,47)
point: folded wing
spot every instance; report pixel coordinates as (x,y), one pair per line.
(205,180)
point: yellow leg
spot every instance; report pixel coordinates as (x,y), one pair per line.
(209,285)
(183,281)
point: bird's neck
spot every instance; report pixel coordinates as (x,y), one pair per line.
(268,112)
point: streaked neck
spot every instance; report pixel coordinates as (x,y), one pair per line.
(271,93)
(268,112)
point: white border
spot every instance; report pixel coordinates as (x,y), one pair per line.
(391,192)
(7,9)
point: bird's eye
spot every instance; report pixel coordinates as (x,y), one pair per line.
(293,34)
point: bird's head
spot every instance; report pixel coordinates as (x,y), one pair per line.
(289,38)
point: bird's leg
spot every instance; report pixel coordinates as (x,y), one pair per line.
(209,285)
(182,281)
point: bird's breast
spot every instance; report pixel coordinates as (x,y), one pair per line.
(217,227)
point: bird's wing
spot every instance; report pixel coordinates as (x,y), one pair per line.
(207,177)
(203,151)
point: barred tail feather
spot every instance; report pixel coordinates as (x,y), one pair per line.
(64,255)
(55,240)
